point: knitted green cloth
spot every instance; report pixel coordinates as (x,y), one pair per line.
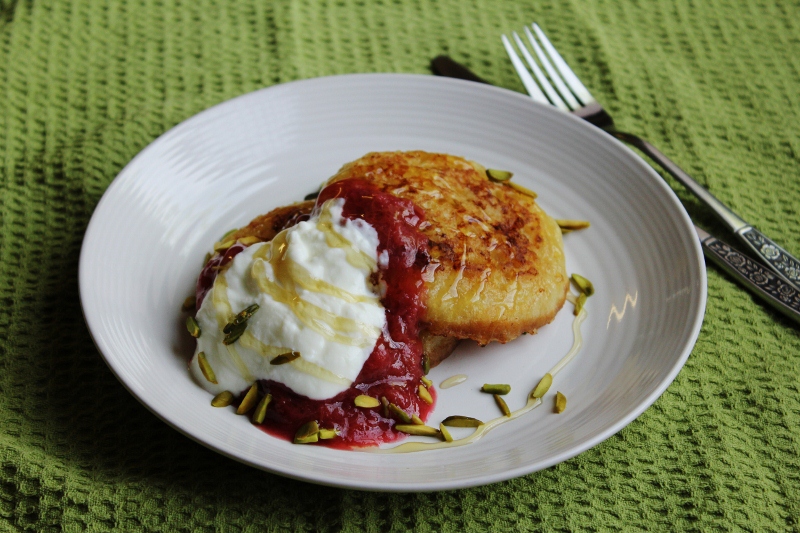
(86,85)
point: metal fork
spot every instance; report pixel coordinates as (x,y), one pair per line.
(559,86)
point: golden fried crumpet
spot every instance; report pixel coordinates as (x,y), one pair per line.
(497,259)
(265,227)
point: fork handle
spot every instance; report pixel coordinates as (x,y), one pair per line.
(771,288)
(770,254)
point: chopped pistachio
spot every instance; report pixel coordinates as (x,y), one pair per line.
(223,399)
(445,434)
(561,402)
(499,175)
(584,285)
(247,241)
(496,388)
(223,245)
(417,420)
(385,404)
(426,364)
(362,400)
(234,332)
(501,403)
(400,414)
(425,381)
(284,358)
(308,433)
(523,190)
(326,434)
(249,401)
(261,409)
(572,225)
(457,421)
(414,429)
(193,327)
(241,317)
(543,386)
(189,303)
(205,368)
(579,304)
(425,395)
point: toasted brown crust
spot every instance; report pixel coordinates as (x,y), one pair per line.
(497,259)
(265,227)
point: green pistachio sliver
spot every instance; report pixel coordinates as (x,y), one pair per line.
(241,318)
(223,245)
(308,433)
(188,304)
(193,327)
(261,409)
(385,404)
(499,175)
(249,240)
(426,364)
(519,188)
(205,368)
(415,429)
(445,433)
(501,403)
(417,420)
(425,381)
(234,333)
(457,421)
(223,399)
(584,285)
(325,434)
(400,414)
(207,258)
(425,395)
(249,401)
(543,386)
(496,388)
(561,402)
(579,304)
(284,358)
(244,315)
(362,400)
(572,225)
(228,234)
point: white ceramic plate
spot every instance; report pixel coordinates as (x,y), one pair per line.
(147,238)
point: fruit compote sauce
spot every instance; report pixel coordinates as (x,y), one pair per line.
(394,367)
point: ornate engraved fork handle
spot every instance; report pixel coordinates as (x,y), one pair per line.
(772,255)
(772,289)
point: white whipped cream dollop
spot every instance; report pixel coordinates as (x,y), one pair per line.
(315,296)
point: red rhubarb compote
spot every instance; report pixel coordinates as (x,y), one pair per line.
(394,367)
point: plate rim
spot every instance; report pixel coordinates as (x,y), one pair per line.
(687,345)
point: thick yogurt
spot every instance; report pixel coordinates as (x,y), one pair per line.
(313,285)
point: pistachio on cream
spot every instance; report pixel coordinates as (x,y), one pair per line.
(314,296)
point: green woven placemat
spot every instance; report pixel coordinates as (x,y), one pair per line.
(86,85)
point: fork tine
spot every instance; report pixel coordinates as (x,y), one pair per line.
(524,75)
(543,82)
(572,80)
(548,66)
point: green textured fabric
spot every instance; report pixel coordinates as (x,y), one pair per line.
(86,85)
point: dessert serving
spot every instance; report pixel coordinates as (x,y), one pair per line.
(320,320)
